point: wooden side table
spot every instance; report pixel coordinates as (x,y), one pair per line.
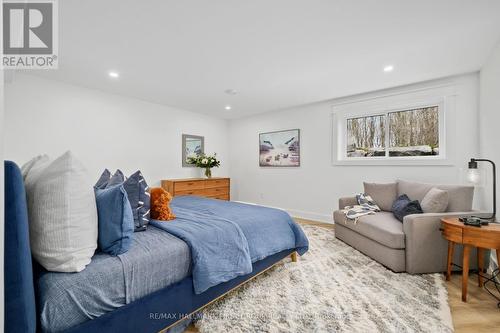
(485,237)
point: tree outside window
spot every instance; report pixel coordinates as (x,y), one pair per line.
(413,132)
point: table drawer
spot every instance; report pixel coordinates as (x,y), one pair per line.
(476,237)
(217,191)
(216,183)
(452,233)
(198,192)
(188,186)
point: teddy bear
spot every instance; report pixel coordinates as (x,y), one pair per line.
(160,205)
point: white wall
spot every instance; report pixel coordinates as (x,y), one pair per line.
(489,87)
(489,101)
(312,190)
(104,130)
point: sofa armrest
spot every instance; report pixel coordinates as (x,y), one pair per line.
(347,201)
(426,249)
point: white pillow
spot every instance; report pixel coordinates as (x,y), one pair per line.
(62,213)
(435,201)
(26,168)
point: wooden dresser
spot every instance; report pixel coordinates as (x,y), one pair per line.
(216,188)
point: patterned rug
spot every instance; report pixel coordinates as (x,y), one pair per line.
(332,288)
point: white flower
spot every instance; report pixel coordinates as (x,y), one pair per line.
(204,161)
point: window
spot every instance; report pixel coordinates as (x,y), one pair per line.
(414,132)
(396,127)
(404,133)
(366,136)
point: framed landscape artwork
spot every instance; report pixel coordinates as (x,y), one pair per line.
(280,148)
(192,146)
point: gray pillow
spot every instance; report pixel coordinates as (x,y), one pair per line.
(435,201)
(384,195)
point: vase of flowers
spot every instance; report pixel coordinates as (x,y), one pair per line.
(206,162)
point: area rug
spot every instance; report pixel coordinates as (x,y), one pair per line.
(332,288)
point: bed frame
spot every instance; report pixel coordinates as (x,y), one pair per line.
(155,312)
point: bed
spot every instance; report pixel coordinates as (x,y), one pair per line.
(173,269)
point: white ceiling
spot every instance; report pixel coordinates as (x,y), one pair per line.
(275,53)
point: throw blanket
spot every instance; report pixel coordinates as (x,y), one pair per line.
(226,237)
(365,206)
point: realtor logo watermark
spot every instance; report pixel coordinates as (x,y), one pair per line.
(30,36)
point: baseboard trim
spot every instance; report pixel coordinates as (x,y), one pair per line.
(299,213)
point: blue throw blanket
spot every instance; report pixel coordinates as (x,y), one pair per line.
(226,237)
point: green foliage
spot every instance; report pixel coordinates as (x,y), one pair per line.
(205,161)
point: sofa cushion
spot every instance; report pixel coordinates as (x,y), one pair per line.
(383,194)
(435,201)
(381,227)
(459,196)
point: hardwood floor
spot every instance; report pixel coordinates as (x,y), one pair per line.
(480,313)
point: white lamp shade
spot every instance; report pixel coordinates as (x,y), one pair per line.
(473,176)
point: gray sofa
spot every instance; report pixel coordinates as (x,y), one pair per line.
(414,246)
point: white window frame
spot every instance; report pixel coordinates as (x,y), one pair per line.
(442,97)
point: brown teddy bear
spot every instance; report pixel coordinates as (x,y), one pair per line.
(160,205)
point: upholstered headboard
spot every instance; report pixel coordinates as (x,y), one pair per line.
(20,313)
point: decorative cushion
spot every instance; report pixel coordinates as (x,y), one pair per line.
(103,180)
(404,206)
(117,178)
(138,195)
(435,201)
(140,199)
(383,194)
(62,214)
(160,205)
(116,223)
(25,169)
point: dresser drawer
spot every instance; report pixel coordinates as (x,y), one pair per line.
(198,192)
(217,191)
(188,186)
(211,183)
(220,197)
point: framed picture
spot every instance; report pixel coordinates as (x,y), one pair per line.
(280,148)
(192,145)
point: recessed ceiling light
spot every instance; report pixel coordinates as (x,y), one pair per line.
(230,91)
(388,68)
(228,107)
(114,74)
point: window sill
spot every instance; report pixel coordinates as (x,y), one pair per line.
(394,162)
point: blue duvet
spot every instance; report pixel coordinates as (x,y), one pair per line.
(227,237)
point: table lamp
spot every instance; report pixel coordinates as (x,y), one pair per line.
(474,177)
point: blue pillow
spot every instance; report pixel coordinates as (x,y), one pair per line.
(116,222)
(138,195)
(404,206)
(103,180)
(116,179)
